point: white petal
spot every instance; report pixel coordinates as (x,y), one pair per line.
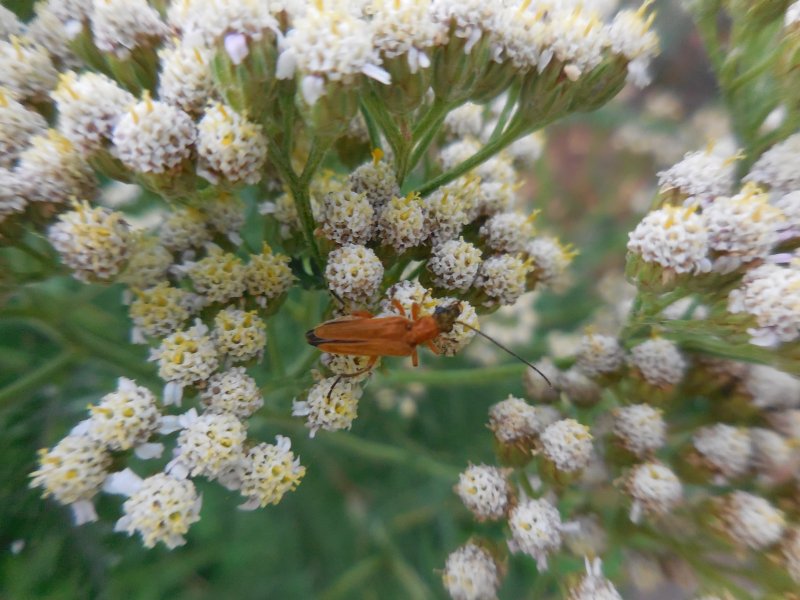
(287,63)
(81,428)
(149,450)
(122,483)
(177,469)
(169,424)
(376,73)
(251,504)
(312,88)
(236,47)
(173,393)
(83,512)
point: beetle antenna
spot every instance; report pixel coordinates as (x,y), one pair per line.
(338,298)
(509,350)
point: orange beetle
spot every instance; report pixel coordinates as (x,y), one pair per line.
(362,334)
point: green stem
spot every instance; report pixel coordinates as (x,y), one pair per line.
(511,102)
(372,127)
(514,131)
(367,449)
(474,376)
(319,148)
(36,378)
(302,201)
(435,114)
(129,363)
(275,356)
(377,111)
(353,579)
(692,336)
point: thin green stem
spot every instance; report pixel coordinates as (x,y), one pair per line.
(435,114)
(319,148)
(371,450)
(511,102)
(37,378)
(353,579)
(109,351)
(473,376)
(377,111)
(275,356)
(514,131)
(372,127)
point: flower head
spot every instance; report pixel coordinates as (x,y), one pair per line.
(599,355)
(125,418)
(239,335)
(471,573)
(376,179)
(659,361)
(354,272)
(230,146)
(186,357)
(232,391)
(674,238)
(514,421)
(593,586)
(742,228)
(26,69)
(147,264)
(502,278)
(93,242)
(405,27)
(724,449)
(779,167)
(455,264)
(568,444)
(348,217)
(153,137)
(161,510)
(328,406)
(73,470)
(218,277)
(654,490)
(52,170)
(17,125)
(268,275)
(535,530)
(183,229)
(268,472)
(750,520)
(640,428)
(162,309)
(485,491)
(208,445)
(702,175)
(770,294)
(119,26)
(89,106)
(185,80)
(328,44)
(401,223)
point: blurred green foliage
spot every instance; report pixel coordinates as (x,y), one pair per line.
(375,513)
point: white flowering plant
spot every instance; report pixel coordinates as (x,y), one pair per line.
(229,228)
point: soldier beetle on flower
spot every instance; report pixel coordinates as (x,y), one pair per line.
(363,334)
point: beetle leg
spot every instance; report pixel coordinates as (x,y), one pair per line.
(330,391)
(399,307)
(415,358)
(433,347)
(415,310)
(362,313)
(370,364)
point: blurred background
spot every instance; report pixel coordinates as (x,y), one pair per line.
(375,515)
